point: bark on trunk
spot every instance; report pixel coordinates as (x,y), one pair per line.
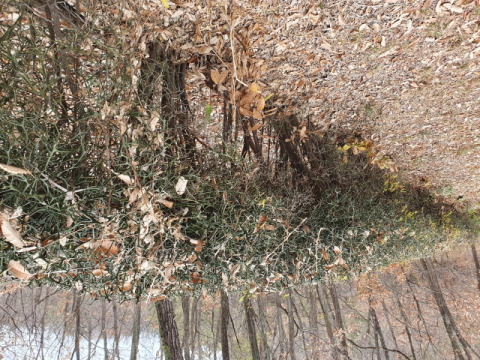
(451,327)
(116,352)
(168,330)
(104,330)
(225,317)
(338,320)
(322,297)
(279,324)
(262,311)
(291,326)
(77,300)
(198,328)
(378,332)
(390,327)
(477,264)
(312,321)
(136,331)
(186,326)
(252,334)
(406,322)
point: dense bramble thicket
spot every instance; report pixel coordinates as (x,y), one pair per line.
(112,183)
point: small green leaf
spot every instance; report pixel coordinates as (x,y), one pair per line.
(208,112)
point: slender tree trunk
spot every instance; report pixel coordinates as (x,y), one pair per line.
(168,330)
(198,329)
(406,322)
(186,326)
(338,320)
(450,325)
(136,330)
(192,331)
(322,297)
(252,335)
(77,300)
(116,352)
(378,332)
(390,327)
(217,335)
(104,330)
(262,311)
(312,322)
(90,336)
(477,264)
(291,326)
(225,318)
(280,330)
(65,312)
(42,329)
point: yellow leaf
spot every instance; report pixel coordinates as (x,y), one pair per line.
(254,88)
(269,96)
(18,270)
(165,3)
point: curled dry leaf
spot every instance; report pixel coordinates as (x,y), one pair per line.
(257,114)
(42,263)
(11,235)
(261,104)
(18,270)
(325,255)
(337,250)
(14,170)
(256,127)
(341,20)
(181,186)
(126,179)
(108,247)
(199,246)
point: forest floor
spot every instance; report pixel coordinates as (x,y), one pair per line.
(404,74)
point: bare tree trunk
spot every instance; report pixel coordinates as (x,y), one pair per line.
(477,264)
(378,332)
(322,297)
(312,321)
(280,330)
(90,336)
(198,328)
(338,320)
(291,326)
(252,335)
(104,330)
(116,352)
(65,311)
(450,325)
(168,330)
(225,317)
(186,326)
(390,327)
(262,310)
(193,321)
(136,331)
(406,322)
(42,334)
(217,335)
(77,300)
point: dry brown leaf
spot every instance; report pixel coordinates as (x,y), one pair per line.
(18,270)
(261,104)
(341,20)
(108,247)
(14,170)
(127,286)
(215,76)
(245,112)
(257,115)
(376,27)
(223,77)
(166,203)
(326,46)
(325,255)
(11,235)
(199,246)
(126,179)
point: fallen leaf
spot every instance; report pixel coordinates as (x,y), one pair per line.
(126,179)
(257,115)
(223,77)
(108,247)
(325,255)
(166,203)
(18,270)
(341,20)
(11,235)
(14,170)
(376,27)
(181,186)
(337,250)
(215,76)
(261,104)
(199,246)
